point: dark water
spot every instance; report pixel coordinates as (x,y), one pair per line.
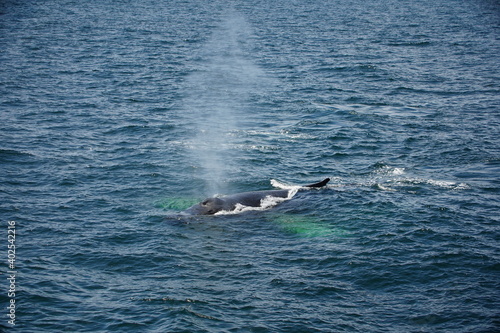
(116,115)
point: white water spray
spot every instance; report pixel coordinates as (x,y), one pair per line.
(217,96)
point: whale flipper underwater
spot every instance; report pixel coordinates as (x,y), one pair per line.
(229,203)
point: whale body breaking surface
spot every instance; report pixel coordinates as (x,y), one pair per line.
(238,202)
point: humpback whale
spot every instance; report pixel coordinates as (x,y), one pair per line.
(229,203)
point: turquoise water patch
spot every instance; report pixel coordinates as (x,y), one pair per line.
(178,203)
(306,226)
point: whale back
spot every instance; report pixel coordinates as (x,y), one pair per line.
(211,206)
(253,199)
(229,203)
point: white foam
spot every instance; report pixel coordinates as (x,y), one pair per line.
(238,209)
(292,188)
(447,184)
(391,171)
(265,204)
(384,188)
(398,182)
(398,171)
(278,184)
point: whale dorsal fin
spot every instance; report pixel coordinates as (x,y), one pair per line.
(320,184)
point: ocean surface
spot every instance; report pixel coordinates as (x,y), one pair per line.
(118,115)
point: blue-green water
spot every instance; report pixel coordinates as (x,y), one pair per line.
(116,115)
